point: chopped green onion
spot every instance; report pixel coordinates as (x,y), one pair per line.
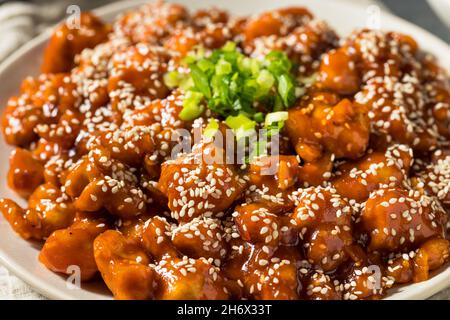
(278,104)
(240,121)
(229,46)
(259,149)
(187,84)
(276,117)
(241,125)
(192,107)
(299,91)
(200,80)
(266,81)
(211,128)
(278,63)
(255,66)
(308,80)
(245,64)
(258,117)
(205,65)
(275,122)
(196,54)
(243,133)
(286,89)
(223,67)
(231,83)
(172,79)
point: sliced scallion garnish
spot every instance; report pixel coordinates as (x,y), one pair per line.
(192,106)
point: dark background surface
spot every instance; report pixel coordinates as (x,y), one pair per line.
(420,13)
(417,11)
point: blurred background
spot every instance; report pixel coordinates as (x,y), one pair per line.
(21,20)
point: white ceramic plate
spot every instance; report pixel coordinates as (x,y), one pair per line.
(20,257)
(442,9)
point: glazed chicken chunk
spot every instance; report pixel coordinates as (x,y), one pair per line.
(196,185)
(395,219)
(194,154)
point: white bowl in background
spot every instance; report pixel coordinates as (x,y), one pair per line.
(20,257)
(442,9)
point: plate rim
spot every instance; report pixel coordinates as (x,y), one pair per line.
(430,287)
